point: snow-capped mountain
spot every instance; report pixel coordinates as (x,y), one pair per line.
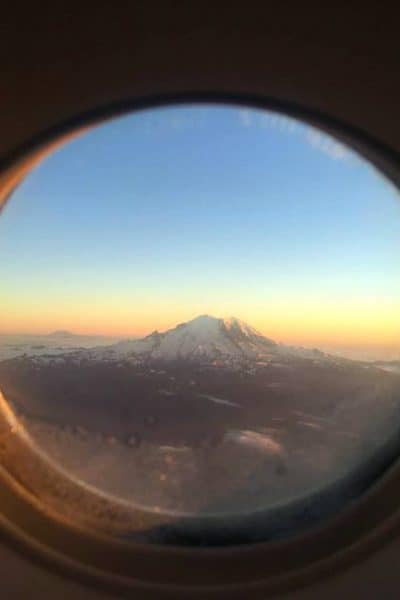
(203,337)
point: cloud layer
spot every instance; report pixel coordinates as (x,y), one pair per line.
(317,139)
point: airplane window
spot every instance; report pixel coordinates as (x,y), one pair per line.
(200,319)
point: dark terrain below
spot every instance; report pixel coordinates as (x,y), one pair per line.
(208,437)
(184,403)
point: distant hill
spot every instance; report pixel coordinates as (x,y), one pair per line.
(61,333)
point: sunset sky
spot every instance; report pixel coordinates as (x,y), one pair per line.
(155,218)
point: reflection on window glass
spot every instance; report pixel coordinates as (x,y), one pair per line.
(124,256)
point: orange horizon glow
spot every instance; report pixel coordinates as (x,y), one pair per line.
(359,324)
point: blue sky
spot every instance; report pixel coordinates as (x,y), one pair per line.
(159,216)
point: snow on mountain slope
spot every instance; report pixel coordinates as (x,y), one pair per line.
(240,327)
(202,337)
(205,338)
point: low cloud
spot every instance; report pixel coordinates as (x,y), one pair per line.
(250,118)
(280,122)
(245,117)
(327,145)
(320,141)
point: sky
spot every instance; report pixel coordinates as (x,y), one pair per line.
(156,217)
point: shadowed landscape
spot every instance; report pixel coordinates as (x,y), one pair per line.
(211,433)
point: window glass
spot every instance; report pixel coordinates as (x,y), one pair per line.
(200,310)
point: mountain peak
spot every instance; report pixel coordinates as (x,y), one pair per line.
(233,325)
(202,337)
(202,319)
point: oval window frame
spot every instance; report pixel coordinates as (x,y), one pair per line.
(268,566)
